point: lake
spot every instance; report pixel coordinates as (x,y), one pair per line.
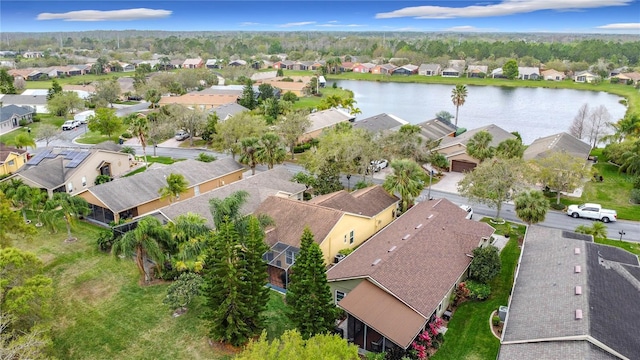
(533,112)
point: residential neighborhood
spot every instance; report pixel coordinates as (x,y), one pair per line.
(216,197)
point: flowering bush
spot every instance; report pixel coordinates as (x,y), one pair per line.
(426,338)
(462,293)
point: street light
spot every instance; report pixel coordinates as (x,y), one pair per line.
(621,232)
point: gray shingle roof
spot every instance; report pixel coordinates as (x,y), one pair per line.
(6,112)
(435,129)
(128,192)
(369,201)
(498,133)
(24,99)
(544,301)
(380,122)
(563,141)
(49,174)
(326,118)
(227,110)
(260,186)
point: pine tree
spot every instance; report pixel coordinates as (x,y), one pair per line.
(256,270)
(229,306)
(308,294)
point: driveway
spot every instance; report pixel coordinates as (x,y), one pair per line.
(449,182)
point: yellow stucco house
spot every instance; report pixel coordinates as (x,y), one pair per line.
(11,159)
(339,220)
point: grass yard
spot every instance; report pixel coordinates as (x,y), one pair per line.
(469,336)
(56,121)
(101,312)
(631,247)
(613,193)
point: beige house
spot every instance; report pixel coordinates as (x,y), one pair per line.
(134,196)
(585,76)
(340,220)
(324,119)
(199,100)
(553,75)
(393,284)
(455,148)
(71,170)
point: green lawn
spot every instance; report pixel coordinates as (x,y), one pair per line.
(631,247)
(101,311)
(56,121)
(613,193)
(469,336)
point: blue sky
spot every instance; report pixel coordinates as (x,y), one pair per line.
(567,16)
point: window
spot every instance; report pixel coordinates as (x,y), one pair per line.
(345,238)
(11,162)
(84,181)
(339,295)
(290,257)
(351,237)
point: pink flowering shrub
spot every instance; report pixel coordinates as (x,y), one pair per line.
(425,339)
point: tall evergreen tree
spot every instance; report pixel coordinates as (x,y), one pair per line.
(248,98)
(308,295)
(256,270)
(226,284)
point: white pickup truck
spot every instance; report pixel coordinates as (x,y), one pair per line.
(592,211)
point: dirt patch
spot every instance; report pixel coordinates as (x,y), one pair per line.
(96,291)
(223,347)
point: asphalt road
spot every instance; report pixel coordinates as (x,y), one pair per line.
(554,219)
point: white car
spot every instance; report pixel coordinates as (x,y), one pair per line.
(592,211)
(69,125)
(469,211)
(182,135)
(378,165)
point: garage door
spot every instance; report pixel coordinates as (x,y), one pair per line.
(462,166)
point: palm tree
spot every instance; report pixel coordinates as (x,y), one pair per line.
(228,210)
(458,96)
(145,241)
(38,200)
(271,150)
(249,153)
(598,230)
(191,235)
(531,206)
(67,206)
(631,160)
(479,146)
(176,185)
(22,198)
(407,179)
(164,61)
(23,140)
(139,127)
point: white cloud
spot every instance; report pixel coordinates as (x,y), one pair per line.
(301,23)
(248,23)
(341,25)
(504,8)
(110,15)
(463,28)
(621,26)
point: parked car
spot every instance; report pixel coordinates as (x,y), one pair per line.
(592,211)
(377,165)
(469,211)
(70,125)
(182,135)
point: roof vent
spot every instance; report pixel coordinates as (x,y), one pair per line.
(392,248)
(376,262)
(430,216)
(406,237)
(576,251)
(418,226)
(577,269)
(578,314)
(578,290)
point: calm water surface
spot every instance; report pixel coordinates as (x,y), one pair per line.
(533,112)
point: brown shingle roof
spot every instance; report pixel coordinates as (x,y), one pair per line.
(6,150)
(369,201)
(421,269)
(562,142)
(292,216)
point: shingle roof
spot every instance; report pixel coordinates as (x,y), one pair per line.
(49,174)
(379,123)
(564,142)
(260,187)
(292,216)
(326,118)
(439,240)
(369,201)
(24,99)
(435,129)
(544,301)
(6,112)
(226,110)
(498,133)
(128,192)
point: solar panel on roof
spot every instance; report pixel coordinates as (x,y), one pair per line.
(38,158)
(69,154)
(51,155)
(77,159)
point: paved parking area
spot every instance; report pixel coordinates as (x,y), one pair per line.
(449,182)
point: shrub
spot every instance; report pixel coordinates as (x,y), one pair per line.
(22,122)
(345,251)
(128,150)
(205,157)
(486,264)
(556,206)
(36,118)
(636,182)
(105,240)
(635,196)
(289,96)
(495,320)
(126,135)
(477,290)
(335,85)
(101,179)
(287,79)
